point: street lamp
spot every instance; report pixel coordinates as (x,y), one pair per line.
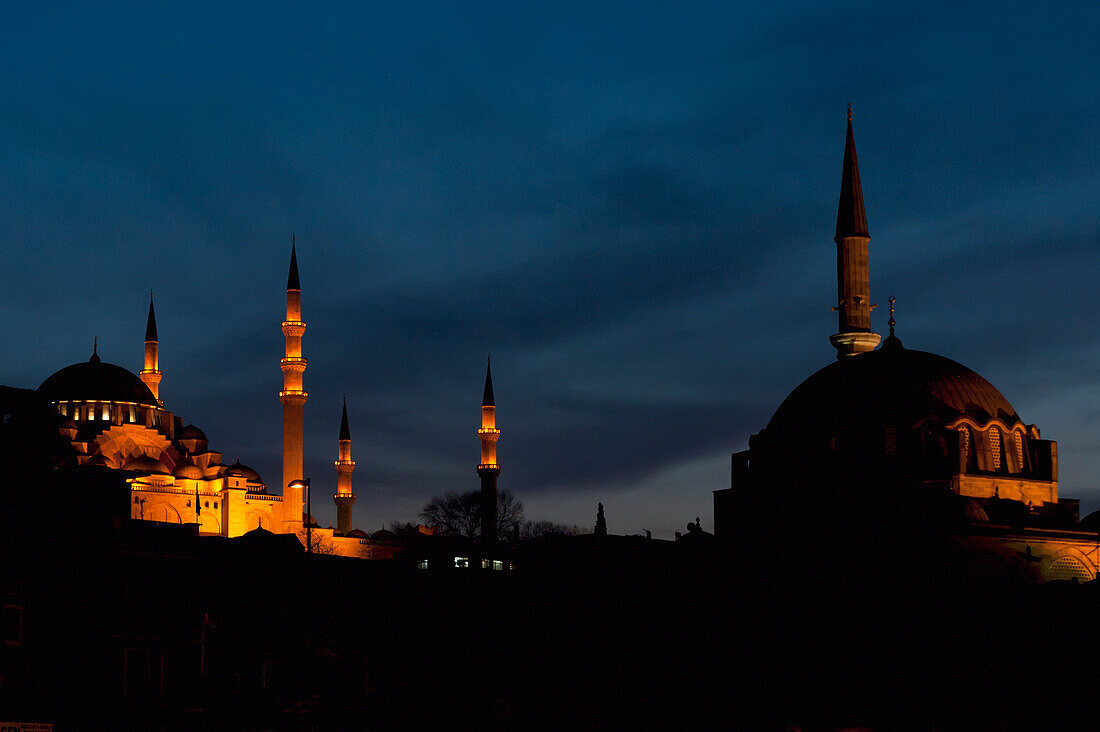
(303,484)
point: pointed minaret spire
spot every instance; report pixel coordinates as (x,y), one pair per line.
(292,276)
(345,430)
(344,498)
(488,469)
(293,396)
(151,323)
(151,373)
(852,266)
(487,398)
(851,219)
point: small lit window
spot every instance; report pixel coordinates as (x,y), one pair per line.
(462,562)
(965,432)
(995,446)
(64,409)
(1019,440)
(498,565)
(422,564)
(106,412)
(133,413)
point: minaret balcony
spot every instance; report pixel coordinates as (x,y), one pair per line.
(489,432)
(294,328)
(293,363)
(292,396)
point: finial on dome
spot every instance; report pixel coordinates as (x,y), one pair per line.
(892,322)
(95,350)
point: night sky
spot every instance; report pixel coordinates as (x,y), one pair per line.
(630,205)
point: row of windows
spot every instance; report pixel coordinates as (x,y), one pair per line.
(987,450)
(464,563)
(98,410)
(138,499)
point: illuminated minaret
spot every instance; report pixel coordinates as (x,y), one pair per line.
(488,468)
(852,268)
(344,498)
(293,397)
(151,374)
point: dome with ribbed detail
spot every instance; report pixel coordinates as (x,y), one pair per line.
(96,380)
(893,386)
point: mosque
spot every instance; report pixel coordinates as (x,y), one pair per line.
(888,436)
(110,417)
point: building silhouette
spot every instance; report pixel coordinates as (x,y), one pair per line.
(898,447)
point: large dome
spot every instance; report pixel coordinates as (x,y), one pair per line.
(95,380)
(892,386)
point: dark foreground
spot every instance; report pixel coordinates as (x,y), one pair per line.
(111,622)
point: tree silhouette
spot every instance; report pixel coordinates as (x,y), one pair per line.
(458,514)
(601,522)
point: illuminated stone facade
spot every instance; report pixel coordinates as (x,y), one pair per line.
(113,418)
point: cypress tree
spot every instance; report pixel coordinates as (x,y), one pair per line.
(601,523)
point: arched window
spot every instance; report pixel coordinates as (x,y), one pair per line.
(995,447)
(1068,568)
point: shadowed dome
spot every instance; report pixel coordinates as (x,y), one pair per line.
(146,464)
(96,380)
(891,386)
(191,432)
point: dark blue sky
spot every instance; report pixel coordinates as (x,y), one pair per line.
(630,205)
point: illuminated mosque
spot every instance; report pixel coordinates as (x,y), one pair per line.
(888,436)
(113,418)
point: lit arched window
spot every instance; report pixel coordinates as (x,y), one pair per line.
(995,447)
(1068,568)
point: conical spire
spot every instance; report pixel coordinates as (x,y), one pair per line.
(151,325)
(345,430)
(487,400)
(851,219)
(292,278)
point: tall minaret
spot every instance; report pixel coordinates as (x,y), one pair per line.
(344,498)
(488,468)
(852,269)
(293,397)
(151,374)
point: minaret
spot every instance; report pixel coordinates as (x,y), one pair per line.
(852,268)
(344,498)
(293,397)
(151,374)
(488,468)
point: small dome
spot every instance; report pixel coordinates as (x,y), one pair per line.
(237,470)
(976,513)
(189,471)
(96,380)
(191,432)
(146,464)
